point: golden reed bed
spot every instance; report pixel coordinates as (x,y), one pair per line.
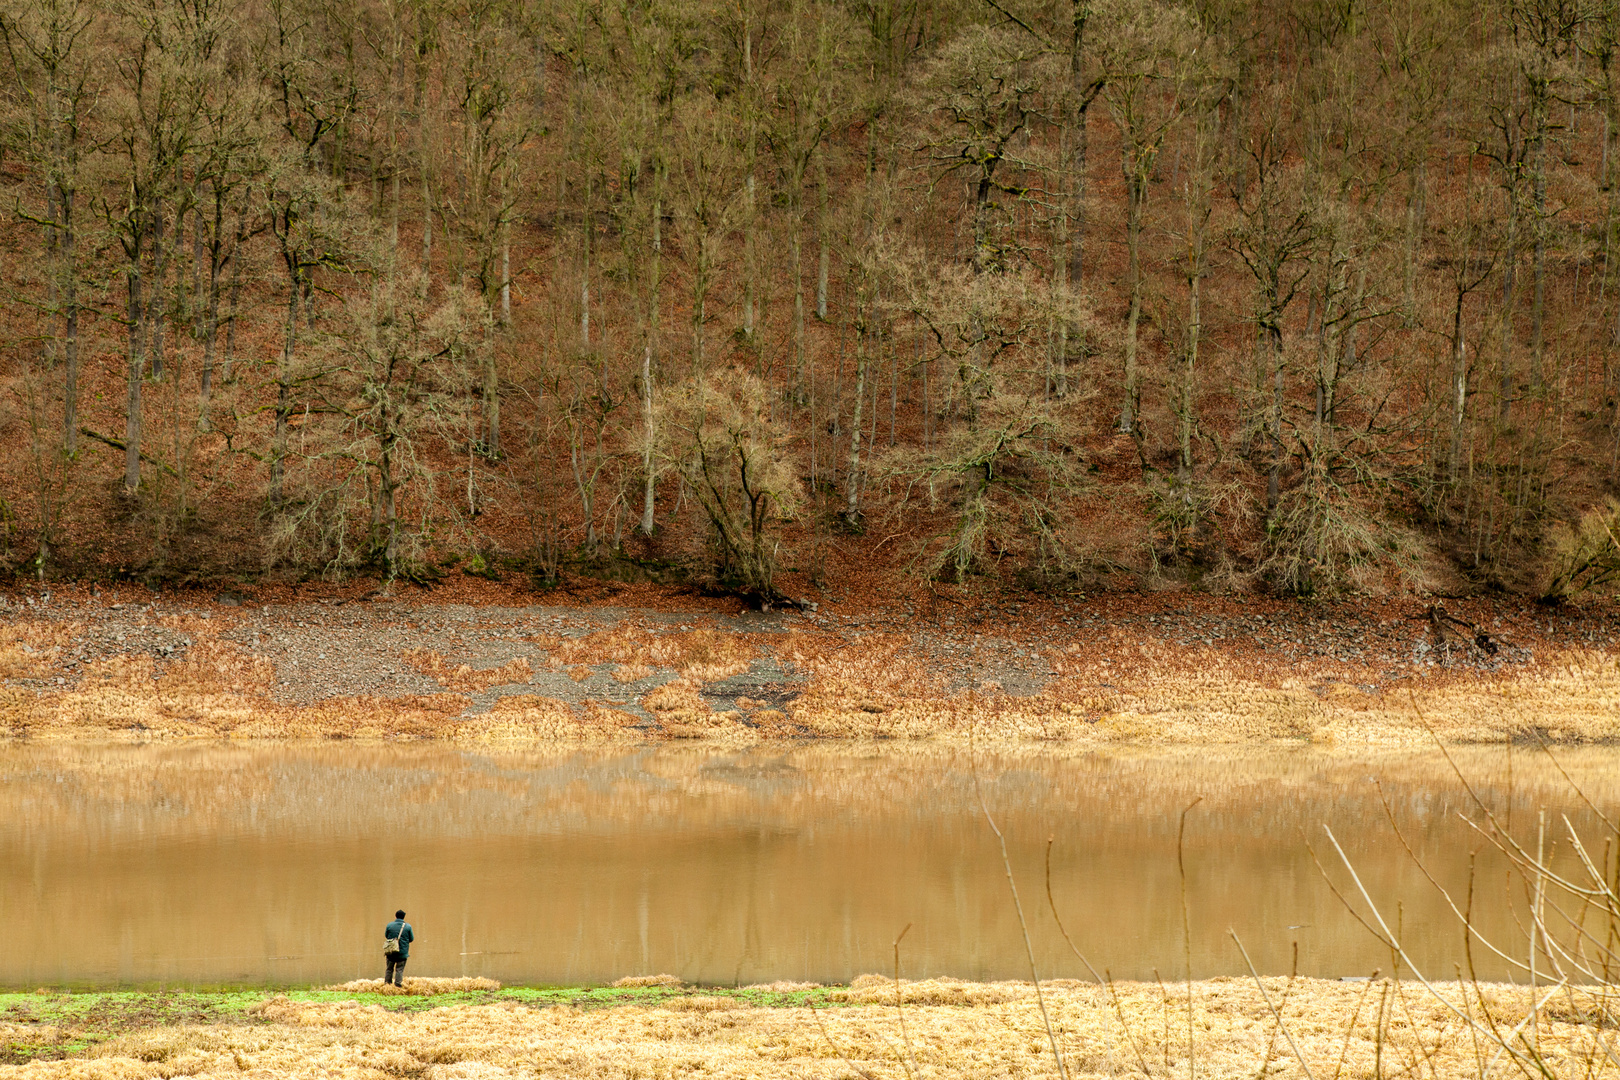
(1232,1031)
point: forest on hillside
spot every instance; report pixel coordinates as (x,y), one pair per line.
(1306,295)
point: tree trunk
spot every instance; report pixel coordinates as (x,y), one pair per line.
(750,257)
(648,479)
(1415,206)
(585,228)
(211,333)
(278,446)
(1195,278)
(1538,302)
(506,273)
(235,257)
(197,230)
(70,329)
(585,482)
(1077,169)
(393,209)
(427,218)
(1510,253)
(52,261)
(796,247)
(852,479)
(388,497)
(1274,476)
(822,227)
(492,402)
(1459,388)
(135,378)
(700,295)
(647,491)
(1135,189)
(750,214)
(157,302)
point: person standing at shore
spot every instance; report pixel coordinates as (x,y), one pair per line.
(397,938)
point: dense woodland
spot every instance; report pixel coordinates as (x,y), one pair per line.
(1305,295)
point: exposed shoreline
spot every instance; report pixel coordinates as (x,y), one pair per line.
(1156,671)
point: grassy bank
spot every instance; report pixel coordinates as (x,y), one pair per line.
(1218,1028)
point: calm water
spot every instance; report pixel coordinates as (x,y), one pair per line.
(279,864)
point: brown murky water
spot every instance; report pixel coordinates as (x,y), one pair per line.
(279,864)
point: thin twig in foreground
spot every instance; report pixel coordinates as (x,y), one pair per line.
(910,1061)
(1350,1029)
(852,1066)
(1275,1014)
(1018,908)
(1399,950)
(1186,933)
(1103,980)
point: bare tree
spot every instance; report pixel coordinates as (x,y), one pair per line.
(1274,231)
(1147,58)
(154,119)
(51,49)
(391,385)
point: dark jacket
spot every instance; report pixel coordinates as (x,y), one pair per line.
(401,929)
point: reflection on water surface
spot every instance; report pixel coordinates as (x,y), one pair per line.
(280,863)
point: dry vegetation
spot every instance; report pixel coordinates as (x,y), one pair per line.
(704,655)
(945,1028)
(884,685)
(1572,698)
(416,987)
(462,678)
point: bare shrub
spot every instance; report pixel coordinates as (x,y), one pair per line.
(1585,555)
(718,431)
(1322,538)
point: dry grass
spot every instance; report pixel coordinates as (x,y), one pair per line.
(189,623)
(874,688)
(683,714)
(882,990)
(415,987)
(530,718)
(464,678)
(626,673)
(951,1029)
(704,654)
(1573,697)
(647,980)
(28,646)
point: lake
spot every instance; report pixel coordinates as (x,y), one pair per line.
(278,864)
